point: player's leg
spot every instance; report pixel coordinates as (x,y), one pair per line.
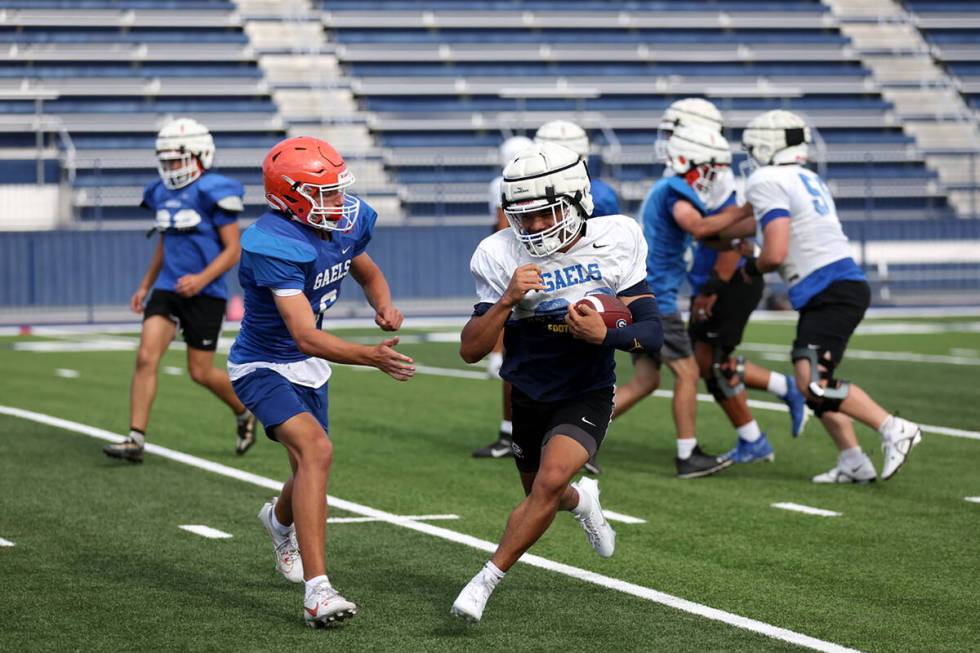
(201,323)
(691,460)
(782,386)
(646,379)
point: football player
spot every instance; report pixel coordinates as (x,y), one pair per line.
(673,212)
(294,259)
(570,135)
(500,448)
(558,357)
(722,303)
(196,213)
(803,239)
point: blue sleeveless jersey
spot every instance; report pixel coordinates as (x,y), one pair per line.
(189,219)
(705,257)
(666,241)
(279,254)
(603,199)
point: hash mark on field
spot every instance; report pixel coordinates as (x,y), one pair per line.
(173,371)
(66,373)
(796,507)
(205,531)
(626,519)
(4,542)
(364,520)
(972,499)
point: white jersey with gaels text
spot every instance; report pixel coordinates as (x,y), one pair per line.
(816,237)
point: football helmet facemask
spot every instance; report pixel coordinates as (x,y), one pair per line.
(683,113)
(306,179)
(184,149)
(698,153)
(777,138)
(552,180)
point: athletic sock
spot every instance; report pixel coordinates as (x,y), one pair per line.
(506,428)
(887,426)
(491,574)
(749,432)
(313,583)
(584,505)
(280,529)
(685,447)
(244,415)
(137,436)
(778,385)
(851,457)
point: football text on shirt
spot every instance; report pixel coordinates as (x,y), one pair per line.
(571,276)
(331,274)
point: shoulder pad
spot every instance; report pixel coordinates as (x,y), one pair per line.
(679,187)
(148,193)
(259,241)
(223,191)
(367,215)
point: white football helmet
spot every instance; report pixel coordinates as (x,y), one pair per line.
(563,132)
(547,178)
(188,143)
(777,138)
(683,113)
(512,147)
(697,153)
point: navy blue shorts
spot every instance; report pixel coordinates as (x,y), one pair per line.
(273,399)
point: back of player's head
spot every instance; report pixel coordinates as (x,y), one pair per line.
(777,138)
(692,111)
(306,179)
(511,147)
(697,152)
(565,133)
(551,183)
(184,149)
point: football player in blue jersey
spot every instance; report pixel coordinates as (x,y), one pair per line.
(294,259)
(672,213)
(196,215)
(558,356)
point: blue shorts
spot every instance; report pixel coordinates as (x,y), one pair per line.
(273,399)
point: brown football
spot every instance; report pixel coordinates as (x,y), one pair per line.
(614,312)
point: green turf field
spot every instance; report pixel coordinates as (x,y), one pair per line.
(99,562)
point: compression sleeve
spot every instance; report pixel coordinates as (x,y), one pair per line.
(645,334)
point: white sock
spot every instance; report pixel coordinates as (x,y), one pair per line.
(851,457)
(243,416)
(281,529)
(137,436)
(685,447)
(778,384)
(491,574)
(749,432)
(313,583)
(584,505)
(506,427)
(887,426)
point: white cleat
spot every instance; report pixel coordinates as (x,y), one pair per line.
(327,608)
(601,535)
(473,599)
(898,445)
(863,473)
(288,561)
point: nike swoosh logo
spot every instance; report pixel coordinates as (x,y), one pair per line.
(206,342)
(344,251)
(587,422)
(598,246)
(311,611)
(499,453)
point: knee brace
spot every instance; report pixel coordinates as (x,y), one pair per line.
(719,380)
(826,392)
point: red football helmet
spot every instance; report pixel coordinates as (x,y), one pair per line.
(305,178)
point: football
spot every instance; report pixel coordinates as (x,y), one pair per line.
(614,312)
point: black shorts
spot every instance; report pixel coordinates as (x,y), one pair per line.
(831,316)
(677,343)
(584,418)
(198,318)
(736,301)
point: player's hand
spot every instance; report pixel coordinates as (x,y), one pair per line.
(136,301)
(389,318)
(525,279)
(189,285)
(746,247)
(585,323)
(396,365)
(701,307)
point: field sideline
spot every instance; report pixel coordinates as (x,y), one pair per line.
(895,571)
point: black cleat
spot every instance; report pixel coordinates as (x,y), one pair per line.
(700,464)
(592,467)
(126,450)
(245,437)
(499,449)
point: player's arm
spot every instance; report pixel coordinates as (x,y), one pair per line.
(299,319)
(367,273)
(690,219)
(645,334)
(190,285)
(481,332)
(775,246)
(152,272)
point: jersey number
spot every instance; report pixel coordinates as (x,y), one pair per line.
(326,302)
(182,219)
(821,195)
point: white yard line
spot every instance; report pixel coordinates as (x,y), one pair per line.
(205,531)
(173,371)
(4,542)
(647,593)
(626,519)
(796,507)
(972,499)
(66,373)
(364,520)
(867,354)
